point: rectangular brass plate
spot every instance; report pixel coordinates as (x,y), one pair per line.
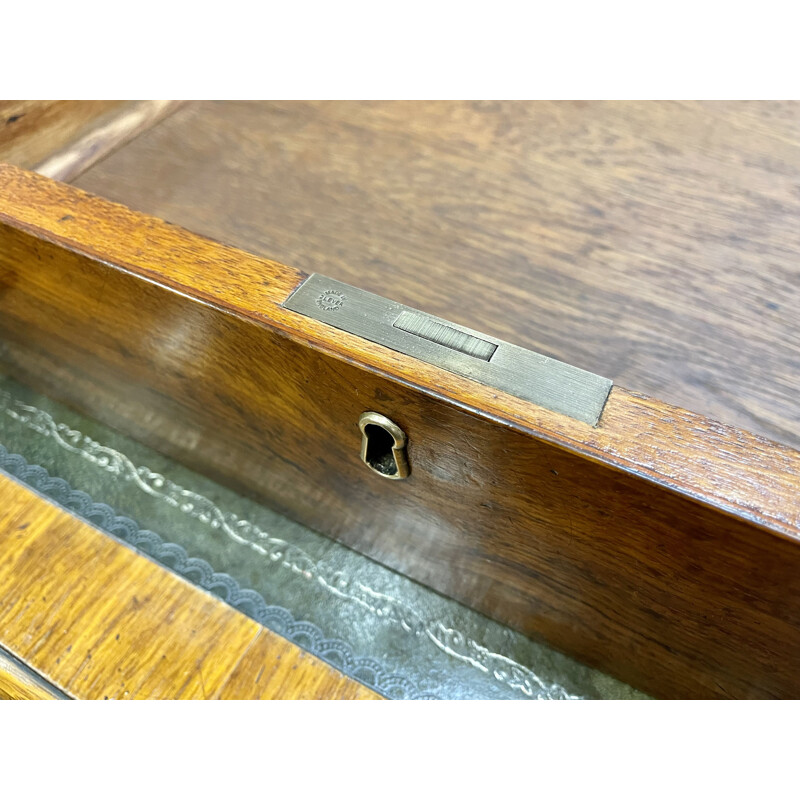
(492,362)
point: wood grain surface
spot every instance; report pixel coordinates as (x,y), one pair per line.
(62,138)
(660,546)
(104,137)
(100,621)
(653,243)
(32,130)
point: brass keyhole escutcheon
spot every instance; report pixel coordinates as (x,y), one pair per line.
(383,446)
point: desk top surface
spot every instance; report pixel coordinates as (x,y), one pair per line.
(653,243)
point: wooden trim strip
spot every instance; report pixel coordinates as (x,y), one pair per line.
(63,138)
(99,621)
(20,682)
(659,546)
(102,140)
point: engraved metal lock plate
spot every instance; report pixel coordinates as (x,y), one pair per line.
(531,376)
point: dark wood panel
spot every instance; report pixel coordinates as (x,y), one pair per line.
(660,546)
(654,243)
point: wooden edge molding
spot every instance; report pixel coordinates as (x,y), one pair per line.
(661,546)
(19,682)
(84,616)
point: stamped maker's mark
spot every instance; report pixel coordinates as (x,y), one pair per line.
(331,300)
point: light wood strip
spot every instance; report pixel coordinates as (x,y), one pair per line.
(63,138)
(275,668)
(100,621)
(18,682)
(102,140)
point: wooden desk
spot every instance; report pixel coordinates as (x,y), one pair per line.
(661,545)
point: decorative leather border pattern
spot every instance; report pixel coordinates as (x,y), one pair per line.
(243,531)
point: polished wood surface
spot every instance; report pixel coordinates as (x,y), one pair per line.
(653,243)
(99,621)
(659,546)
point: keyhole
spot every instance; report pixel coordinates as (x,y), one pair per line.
(383,446)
